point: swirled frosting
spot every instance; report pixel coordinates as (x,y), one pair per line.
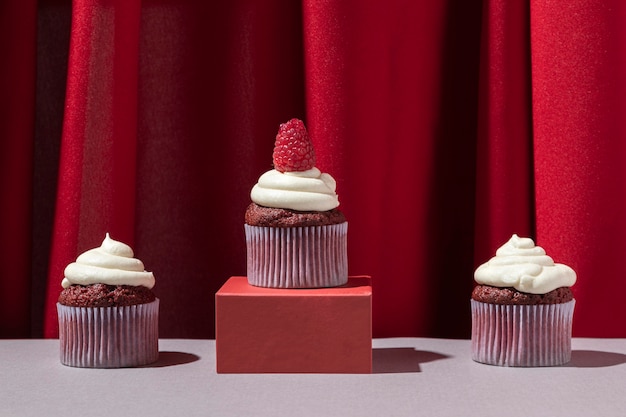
(526,267)
(309,190)
(112,263)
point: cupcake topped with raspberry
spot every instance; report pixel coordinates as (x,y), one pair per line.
(295,192)
(295,234)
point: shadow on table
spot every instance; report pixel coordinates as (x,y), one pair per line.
(595,359)
(173,358)
(401,360)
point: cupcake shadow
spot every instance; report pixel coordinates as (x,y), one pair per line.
(168,358)
(595,359)
(401,360)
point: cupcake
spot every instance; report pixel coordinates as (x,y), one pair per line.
(522,308)
(108,314)
(296,237)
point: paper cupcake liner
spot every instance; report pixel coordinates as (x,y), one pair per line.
(109,337)
(522,335)
(297,257)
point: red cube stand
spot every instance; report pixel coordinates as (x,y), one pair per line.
(270,330)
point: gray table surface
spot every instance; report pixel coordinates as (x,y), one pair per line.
(412,377)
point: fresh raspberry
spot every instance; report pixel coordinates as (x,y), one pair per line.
(293,150)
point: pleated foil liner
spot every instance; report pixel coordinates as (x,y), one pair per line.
(297,257)
(109,337)
(522,335)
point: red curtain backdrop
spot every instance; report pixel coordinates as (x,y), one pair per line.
(448,125)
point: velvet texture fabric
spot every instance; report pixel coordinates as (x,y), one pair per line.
(448,125)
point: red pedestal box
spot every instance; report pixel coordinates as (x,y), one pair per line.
(268,330)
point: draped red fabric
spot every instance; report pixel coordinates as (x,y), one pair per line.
(17,104)
(579,98)
(504,161)
(96,188)
(449,126)
(378,77)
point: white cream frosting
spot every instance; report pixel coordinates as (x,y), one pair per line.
(112,263)
(526,267)
(309,190)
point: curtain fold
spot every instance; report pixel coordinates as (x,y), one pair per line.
(96,186)
(448,125)
(504,160)
(578,66)
(390,93)
(18,23)
(214,83)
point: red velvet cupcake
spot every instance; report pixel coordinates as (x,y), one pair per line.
(296,236)
(108,314)
(523,307)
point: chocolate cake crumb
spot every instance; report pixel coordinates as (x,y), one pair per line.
(102,295)
(276,217)
(510,296)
